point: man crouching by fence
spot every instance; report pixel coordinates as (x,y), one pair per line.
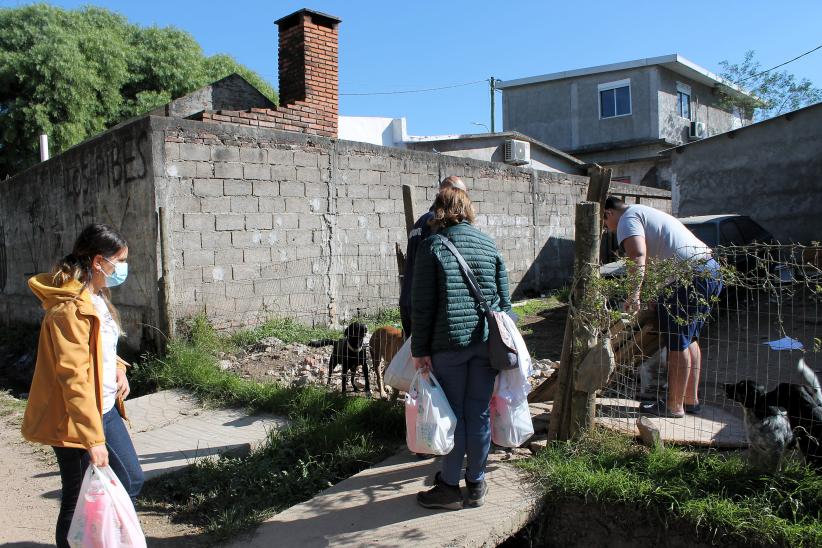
(647,233)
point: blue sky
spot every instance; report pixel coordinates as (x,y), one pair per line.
(389,46)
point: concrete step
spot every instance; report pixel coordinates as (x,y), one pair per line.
(171,429)
(378,507)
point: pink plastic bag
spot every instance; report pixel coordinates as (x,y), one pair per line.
(104,516)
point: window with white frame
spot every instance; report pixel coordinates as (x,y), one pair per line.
(683,100)
(615,99)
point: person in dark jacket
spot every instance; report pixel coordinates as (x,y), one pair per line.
(449,336)
(419,232)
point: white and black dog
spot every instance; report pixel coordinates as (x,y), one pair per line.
(774,420)
(767,427)
(803,404)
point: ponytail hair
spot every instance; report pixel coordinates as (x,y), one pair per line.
(95,239)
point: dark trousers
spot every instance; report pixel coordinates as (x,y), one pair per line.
(73,463)
(405,318)
(468,380)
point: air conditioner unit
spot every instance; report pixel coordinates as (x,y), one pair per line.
(517,153)
(698,130)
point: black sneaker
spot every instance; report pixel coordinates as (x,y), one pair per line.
(442,495)
(476,493)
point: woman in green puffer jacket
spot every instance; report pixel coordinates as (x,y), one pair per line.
(449,336)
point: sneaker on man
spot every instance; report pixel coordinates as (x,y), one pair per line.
(442,495)
(476,491)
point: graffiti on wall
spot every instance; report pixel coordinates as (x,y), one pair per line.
(80,186)
(101,166)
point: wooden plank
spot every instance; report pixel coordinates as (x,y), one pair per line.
(408,205)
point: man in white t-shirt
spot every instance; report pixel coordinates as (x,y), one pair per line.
(647,233)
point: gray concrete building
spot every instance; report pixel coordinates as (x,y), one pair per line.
(770,171)
(623,114)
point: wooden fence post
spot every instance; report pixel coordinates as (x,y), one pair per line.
(573,410)
(408,205)
(599,183)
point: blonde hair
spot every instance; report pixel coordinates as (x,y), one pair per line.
(95,239)
(451,206)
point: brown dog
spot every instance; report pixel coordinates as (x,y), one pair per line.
(385,343)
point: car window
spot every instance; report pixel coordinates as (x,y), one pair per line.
(706,232)
(730,233)
(750,230)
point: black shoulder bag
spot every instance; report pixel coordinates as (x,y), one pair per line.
(501,348)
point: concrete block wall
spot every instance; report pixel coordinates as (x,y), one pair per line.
(268,223)
(106,179)
(261,223)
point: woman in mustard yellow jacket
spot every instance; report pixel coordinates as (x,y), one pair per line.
(76,398)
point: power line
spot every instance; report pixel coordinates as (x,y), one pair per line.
(780,65)
(418,90)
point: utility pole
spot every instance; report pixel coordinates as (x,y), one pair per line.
(493,82)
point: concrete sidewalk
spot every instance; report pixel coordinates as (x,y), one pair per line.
(377,507)
(170,429)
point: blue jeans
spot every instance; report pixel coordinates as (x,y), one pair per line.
(73,463)
(683,313)
(467,379)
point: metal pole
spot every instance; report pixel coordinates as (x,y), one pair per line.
(44,147)
(493,89)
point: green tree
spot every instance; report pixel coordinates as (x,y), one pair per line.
(771,93)
(73,73)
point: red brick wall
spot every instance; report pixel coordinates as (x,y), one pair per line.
(308,75)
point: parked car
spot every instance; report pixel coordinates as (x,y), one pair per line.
(717,232)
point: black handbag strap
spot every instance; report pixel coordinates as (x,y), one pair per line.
(473,285)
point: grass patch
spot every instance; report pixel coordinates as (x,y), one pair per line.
(533,307)
(718,493)
(198,330)
(11,406)
(330,436)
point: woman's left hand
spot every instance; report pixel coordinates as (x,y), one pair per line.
(423,364)
(123,388)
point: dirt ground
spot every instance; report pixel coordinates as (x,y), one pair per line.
(544,331)
(30,482)
(272,360)
(30,494)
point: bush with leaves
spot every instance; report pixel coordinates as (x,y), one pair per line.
(74,73)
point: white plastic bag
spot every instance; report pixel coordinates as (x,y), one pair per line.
(513,384)
(429,420)
(511,424)
(104,516)
(401,369)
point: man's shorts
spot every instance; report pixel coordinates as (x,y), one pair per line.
(683,313)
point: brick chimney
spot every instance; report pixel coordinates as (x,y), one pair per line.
(309,88)
(308,63)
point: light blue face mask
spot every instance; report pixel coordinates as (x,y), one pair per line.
(118,276)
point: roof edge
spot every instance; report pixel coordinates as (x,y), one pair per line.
(674,58)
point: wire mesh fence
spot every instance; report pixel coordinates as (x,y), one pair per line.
(763,324)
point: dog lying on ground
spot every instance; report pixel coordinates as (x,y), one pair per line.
(349,351)
(384,345)
(767,415)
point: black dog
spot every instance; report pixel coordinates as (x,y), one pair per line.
(767,427)
(350,352)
